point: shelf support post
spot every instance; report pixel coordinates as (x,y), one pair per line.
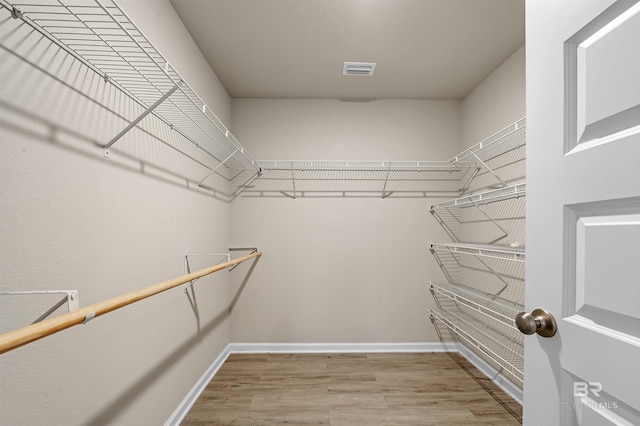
(250,249)
(187,267)
(137,120)
(468,182)
(498,276)
(293,180)
(386,179)
(247,184)
(489,169)
(506,234)
(217,167)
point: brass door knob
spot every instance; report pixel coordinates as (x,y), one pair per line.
(539,321)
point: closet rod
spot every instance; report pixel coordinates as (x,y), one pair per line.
(21,336)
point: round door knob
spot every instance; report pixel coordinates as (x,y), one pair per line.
(539,321)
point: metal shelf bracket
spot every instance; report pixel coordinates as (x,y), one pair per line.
(187,268)
(489,169)
(131,125)
(71,299)
(293,180)
(217,167)
(477,200)
(16,12)
(251,250)
(386,179)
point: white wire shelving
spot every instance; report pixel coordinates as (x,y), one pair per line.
(497,145)
(490,306)
(513,254)
(500,194)
(99,35)
(381,178)
(447,211)
(505,353)
(484,321)
(511,137)
(386,178)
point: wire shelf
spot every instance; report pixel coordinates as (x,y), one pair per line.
(505,353)
(482,317)
(381,178)
(99,34)
(501,142)
(501,194)
(493,307)
(514,254)
(389,178)
(102,37)
(382,166)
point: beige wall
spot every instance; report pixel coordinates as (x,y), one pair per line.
(340,269)
(496,102)
(345,269)
(71,219)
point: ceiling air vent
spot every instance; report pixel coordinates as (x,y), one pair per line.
(359,68)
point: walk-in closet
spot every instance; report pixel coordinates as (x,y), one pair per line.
(318,212)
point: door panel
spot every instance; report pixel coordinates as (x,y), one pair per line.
(583,211)
(607,252)
(602,68)
(607,72)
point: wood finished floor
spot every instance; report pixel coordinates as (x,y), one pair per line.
(352,389)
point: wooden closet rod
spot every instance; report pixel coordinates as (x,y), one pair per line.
(21,336)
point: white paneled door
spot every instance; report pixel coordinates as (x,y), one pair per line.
(583,211)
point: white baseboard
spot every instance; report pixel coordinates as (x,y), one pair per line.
(254,348)
(181,411)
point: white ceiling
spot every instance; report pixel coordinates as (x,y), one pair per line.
(425,49)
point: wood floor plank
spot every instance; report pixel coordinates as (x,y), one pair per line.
(352,389)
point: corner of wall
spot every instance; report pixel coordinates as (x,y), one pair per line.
(497,101)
